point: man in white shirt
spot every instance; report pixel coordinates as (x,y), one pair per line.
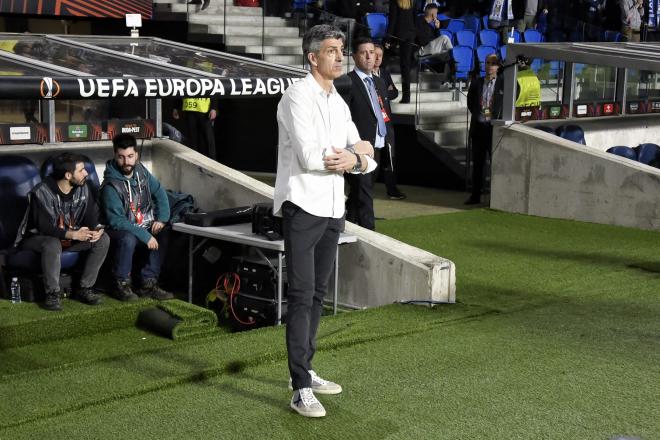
(318,143)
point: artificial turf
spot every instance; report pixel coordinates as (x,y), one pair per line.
(556,335)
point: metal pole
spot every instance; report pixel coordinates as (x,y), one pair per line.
(279,287)
(190,267)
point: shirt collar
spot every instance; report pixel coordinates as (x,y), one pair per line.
(361,74)
(316,87)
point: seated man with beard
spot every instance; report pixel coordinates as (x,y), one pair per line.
(136,209)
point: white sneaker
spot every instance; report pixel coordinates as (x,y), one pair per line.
(321,386)
(306,404)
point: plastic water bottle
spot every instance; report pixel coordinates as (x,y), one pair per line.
(15,291)
(510,39)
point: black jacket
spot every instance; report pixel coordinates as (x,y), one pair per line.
(474,100)
(46,202)
(392,91)
(401,22)
(362,112)
(424,33)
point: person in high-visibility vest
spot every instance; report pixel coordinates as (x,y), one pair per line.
(198,115)
(529,86)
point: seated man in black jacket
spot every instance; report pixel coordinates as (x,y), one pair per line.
(63,214)
(426,32)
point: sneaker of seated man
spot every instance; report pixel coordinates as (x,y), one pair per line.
(136,208)
(62,214)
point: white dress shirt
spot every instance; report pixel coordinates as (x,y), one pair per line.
(379,142)
(311,121)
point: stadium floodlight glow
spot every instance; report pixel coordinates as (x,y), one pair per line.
(134,21)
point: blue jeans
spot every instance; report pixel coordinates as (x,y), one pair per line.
(126,244)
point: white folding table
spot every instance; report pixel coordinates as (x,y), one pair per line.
(242,234)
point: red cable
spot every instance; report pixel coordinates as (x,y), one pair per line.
(231,288)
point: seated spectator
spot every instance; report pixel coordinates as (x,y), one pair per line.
(136,208)
(62,214)
(631,18)
(426,32)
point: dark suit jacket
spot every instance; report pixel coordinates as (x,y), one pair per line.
(474,100)
(362,111)
(392,91)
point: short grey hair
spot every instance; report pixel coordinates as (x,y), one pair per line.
(315,35)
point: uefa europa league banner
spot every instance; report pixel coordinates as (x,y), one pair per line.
(98,88)
(79,8)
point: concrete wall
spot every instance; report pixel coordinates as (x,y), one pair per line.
(540,174)
(603,133)
(376,270)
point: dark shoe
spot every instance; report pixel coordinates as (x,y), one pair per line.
(206,4)
(195,2)
(151,289)
(53,301)
(123,291)
(472,200)
(405,99)
(86,295)
(396,195)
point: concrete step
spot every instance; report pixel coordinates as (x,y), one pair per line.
(243,41)
(424,107)
(244,31)
(441,116)
(237,20)
(447,137)
(272,50)
(216,9)
(289,60)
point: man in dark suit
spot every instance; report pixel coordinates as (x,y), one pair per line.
(386,159)
(484,101)
(366,99)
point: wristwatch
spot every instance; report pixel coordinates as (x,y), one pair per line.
(358,165)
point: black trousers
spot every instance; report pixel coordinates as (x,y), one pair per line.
(50,251)
(310,246)
(384,157)
(405,62)
(199,133)
(360,201)
(482,139)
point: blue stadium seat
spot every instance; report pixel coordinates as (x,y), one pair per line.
(466,38)
(464,60)
(443,17)
(489,37)
(542,22)
(472,22)
(503,52)
(18,175)
(377,23)
(484,22)
(623,151)
(571,132)
(482,53)
(613,36)
(648,154)
(516,36)
(455,25)
(299,5)
(533,36)
(449,35)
